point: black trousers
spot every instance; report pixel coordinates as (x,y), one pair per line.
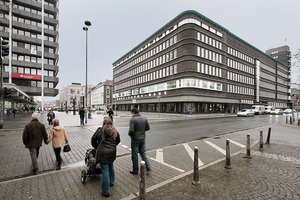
(57,155)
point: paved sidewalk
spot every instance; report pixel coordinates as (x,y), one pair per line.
(272,173)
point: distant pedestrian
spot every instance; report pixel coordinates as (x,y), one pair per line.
(14,112)
(82,115)
(110,113)
(33,135)
(106,154)
(50,117)
(58,136)
(137,131)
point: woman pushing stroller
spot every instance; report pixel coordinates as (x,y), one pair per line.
(105,140)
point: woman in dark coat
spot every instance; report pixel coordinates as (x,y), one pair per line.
(106,154)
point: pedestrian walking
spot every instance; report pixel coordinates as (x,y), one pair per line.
(110,113)
(106,154)
(50,117)
(59,137)
(137,131)
(14,112)
(81,115)
(33,135)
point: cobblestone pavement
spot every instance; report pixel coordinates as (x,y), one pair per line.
(272,173)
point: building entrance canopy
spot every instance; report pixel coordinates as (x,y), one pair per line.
(17,95)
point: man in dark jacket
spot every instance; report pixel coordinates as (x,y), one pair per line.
(81,115)
(33,136)
(137,128)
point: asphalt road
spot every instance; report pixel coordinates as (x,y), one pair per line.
(166,133)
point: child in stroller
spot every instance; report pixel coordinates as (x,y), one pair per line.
(90,160)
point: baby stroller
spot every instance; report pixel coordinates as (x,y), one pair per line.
(92,168)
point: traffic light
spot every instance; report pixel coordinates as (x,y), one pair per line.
(7,93)
(4,48)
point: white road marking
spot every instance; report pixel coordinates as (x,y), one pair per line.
(191,153)
(215,147)
(123,145)
(237,144)
(160,155)
(171,166)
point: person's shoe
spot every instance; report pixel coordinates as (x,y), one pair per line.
(111,185)
(35,171)
(105,195)
(58,166)
(148,171)
(133,172)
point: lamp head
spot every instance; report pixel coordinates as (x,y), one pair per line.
(87,23)
(85,28)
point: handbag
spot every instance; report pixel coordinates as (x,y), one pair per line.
(67,147)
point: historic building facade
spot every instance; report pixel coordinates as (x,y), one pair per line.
(101,95)
(194,63)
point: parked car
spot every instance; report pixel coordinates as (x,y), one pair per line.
(246,113)
(258,109)
(288,111)
(268,109)
(277,111)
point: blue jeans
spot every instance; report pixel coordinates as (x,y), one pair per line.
(108,177)
(138,146)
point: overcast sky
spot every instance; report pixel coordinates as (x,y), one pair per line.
(120,25)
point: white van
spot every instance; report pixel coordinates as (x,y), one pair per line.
(268,109)
(258,109)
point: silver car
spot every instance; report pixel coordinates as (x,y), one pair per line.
(245,113)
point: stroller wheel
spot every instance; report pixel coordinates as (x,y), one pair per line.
(83,176)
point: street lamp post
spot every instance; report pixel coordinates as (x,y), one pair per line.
(85,28)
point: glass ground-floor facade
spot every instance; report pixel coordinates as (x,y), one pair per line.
(184,107)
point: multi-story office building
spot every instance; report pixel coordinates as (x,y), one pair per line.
(33,59)
(193,62)
(283,54)
(101,95)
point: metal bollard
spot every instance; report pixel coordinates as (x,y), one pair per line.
(227,162)
(291,120)
(298,122)
(261,143)
(196,180)
(142,194)
(268,136)
(248,153)
(286,119)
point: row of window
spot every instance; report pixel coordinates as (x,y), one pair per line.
(33,47)
(266,94)
(246,101)
(240,66)
(27,70)
(240,78)
(270,86)
(32,10)
(201,24)
(32,35)
(168,71)
(208,40)
(267,76)
(208,69)
(175,84)
(149,65)
(240,55)
(208,54)
(33,59)
(239,89)
(32,22)
(28,83)
(48,3)
(148,54)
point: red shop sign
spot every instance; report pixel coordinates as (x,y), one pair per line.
(26,76)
